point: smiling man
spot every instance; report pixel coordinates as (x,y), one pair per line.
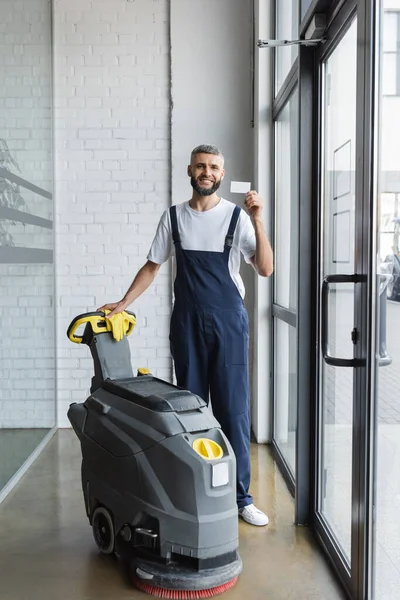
(209,331)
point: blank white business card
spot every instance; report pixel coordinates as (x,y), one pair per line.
(240,187)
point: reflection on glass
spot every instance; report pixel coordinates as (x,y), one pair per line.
(337,421)
(287,28)
(25,235)
(391,50)
(26,90)
(286,205)
(285,370)
(387,426)
(27,344)
(338,187)
(305,4)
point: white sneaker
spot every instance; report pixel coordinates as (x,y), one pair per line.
(252,515)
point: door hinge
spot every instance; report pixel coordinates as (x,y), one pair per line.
(354,336)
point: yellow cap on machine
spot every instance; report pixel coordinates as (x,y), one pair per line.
(208,449)
(143,371)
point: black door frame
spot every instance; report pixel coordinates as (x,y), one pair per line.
(305,74)
(338,14)
(337,29)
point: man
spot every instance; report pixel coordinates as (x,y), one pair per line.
(209,331)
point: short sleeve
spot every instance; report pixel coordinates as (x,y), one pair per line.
(247,239)
(161,247)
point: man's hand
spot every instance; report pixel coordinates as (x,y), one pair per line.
(141,282)
(254,204)
(263,260)
(114,307)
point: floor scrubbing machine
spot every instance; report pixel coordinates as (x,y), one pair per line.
(158,474)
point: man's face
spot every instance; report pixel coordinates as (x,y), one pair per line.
(206,172)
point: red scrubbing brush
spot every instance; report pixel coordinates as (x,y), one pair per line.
(159,592)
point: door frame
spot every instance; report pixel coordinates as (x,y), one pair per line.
(335,32)
(357,584)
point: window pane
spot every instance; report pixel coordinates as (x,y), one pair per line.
(27,337)
(286,205)
(27,394)
(304,6)
(389,79)
(386,480)
(391,4)
(22,235)
(287,28)
(390,32)
(286,391)
(338,163)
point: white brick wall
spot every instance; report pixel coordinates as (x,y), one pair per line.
(27,391)
(27,365)
(25,91)
(112,172)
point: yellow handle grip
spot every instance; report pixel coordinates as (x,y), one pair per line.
(96,319)
(98,323)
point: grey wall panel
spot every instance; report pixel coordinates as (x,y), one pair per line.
(13,255)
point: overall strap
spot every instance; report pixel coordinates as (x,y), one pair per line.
(174,225)
(232,227)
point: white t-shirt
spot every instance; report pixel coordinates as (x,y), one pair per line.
(206,231)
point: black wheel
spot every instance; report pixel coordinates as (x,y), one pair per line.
(103,530)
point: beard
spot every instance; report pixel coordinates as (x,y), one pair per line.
(202,191)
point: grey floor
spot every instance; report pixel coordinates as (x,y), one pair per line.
(47,551)
(16,445)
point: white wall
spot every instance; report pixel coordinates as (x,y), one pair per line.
(211,46)
(113,165)
(112,172)
(211,87)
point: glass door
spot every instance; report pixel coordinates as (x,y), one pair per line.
(386,425)
(357,372)
(339,304)
(337,281)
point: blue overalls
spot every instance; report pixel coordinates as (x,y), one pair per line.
(209,343)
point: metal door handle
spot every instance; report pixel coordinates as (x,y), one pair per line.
(329,359)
